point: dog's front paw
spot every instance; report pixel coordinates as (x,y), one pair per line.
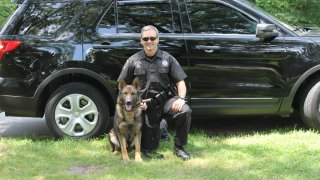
(138,159)
(115,152)
(126,159)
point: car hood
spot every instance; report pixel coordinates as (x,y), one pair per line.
(311,32)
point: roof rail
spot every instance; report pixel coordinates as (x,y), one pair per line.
(124,2)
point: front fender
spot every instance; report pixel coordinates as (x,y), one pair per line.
(286,105)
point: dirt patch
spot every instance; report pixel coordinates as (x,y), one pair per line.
(39,177)
(85,169)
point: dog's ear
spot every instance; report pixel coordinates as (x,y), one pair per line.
(135,83)
(121,84)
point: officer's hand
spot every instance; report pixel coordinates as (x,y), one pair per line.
(143,106)
(177,105)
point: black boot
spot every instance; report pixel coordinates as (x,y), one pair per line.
(181,152)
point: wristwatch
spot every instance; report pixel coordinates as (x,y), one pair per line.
(182,97)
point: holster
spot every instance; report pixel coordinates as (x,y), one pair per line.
(160,98)
(157,100)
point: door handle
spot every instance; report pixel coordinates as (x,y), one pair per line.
(208,49)
(103,45)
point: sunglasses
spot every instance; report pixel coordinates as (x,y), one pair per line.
(146,39)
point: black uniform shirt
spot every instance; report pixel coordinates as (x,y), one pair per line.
(154,74)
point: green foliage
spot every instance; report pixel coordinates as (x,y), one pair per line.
(6,9)
(306,11)
(293,12)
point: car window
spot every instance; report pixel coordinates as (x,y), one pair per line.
(45,19)
(108,23)
(132,17)
(210,18)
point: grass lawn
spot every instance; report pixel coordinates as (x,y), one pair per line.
(279,153)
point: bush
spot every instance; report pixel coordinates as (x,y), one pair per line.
(306,11)
(6,8)
(294,12)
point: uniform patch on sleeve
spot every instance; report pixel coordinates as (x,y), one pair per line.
(137,64)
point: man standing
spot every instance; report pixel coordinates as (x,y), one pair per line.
(156,69)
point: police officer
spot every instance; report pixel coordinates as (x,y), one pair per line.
(156,69)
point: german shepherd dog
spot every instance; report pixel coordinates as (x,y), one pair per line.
(126,132)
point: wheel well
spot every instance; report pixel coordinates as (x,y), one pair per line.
(310,80)
(56,83)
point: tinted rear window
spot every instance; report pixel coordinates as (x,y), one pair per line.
(43,19)
(130,18)
(210,18)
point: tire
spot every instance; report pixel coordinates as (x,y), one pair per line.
(77,110)
(310,106)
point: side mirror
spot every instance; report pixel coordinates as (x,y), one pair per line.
(266,31)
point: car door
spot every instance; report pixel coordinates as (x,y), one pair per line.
(118,34)
(231,70)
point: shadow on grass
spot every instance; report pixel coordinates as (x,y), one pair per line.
(36,128)
(237,126)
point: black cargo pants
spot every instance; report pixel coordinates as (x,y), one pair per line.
(151,124)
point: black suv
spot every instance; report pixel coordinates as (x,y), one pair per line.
(61,59)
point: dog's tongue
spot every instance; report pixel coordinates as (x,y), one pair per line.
(128,107)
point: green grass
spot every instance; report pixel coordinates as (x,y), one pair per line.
(276,154)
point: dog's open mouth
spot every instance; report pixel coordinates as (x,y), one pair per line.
(128,107)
